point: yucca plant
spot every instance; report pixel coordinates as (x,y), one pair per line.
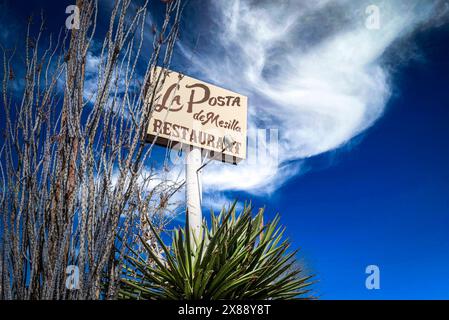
(238,257)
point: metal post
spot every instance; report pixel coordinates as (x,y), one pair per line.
(193,190)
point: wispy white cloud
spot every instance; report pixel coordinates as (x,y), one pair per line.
(217,201)
(313,70)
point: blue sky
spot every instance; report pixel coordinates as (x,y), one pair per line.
(363,124)
(385,200)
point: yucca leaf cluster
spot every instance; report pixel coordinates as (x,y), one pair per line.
(238,257)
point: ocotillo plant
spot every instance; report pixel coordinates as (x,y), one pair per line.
(72,152)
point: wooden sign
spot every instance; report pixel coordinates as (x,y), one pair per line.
(191,112)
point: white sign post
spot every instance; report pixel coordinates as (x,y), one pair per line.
(193,190)
(205,118)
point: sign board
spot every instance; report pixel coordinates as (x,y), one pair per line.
(192,112)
